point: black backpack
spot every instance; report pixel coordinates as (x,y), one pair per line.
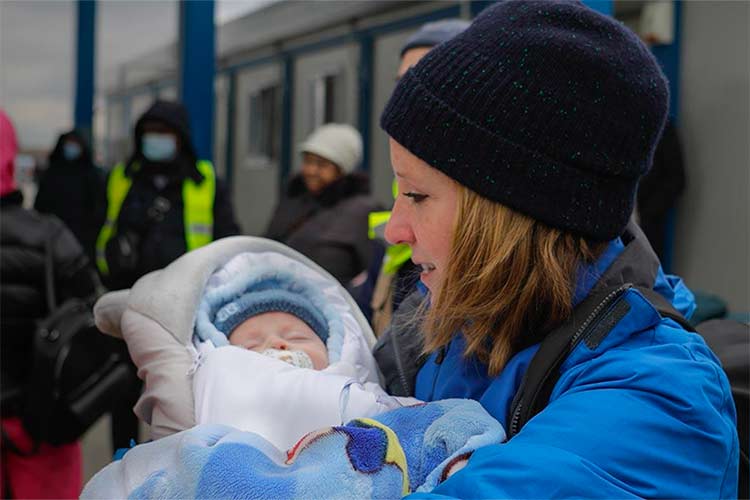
(76,372)
(592,320)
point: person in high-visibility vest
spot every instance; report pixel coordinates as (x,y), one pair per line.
(162,202)
(391,276)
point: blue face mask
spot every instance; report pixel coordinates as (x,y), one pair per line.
(71,151)
(159,147)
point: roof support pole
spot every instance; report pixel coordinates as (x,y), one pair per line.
(85,72)
(606,7)
(197,69)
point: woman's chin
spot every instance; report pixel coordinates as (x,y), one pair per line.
(430,280)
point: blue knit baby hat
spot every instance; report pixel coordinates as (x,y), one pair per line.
(256,302)
(253,283)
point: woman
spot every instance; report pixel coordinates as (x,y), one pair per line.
(324,214)
(518,147)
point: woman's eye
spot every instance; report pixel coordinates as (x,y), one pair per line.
(415,197)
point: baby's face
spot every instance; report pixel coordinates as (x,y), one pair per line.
(283,331)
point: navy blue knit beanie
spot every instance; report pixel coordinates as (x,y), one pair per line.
(546,107)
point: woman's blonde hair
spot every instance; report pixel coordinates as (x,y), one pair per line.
(510,280)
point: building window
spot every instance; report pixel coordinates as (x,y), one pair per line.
(265,124)
(325,97)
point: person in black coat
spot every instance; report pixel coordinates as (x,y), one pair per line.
(72,188)
(660,189)
(324,212)
(26,238)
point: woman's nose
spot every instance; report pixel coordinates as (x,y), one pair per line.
(398,230)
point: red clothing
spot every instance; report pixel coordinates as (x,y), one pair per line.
(8,150)
(52,472)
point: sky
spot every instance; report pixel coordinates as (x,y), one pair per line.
(37,54)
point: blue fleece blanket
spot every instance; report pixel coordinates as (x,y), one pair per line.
(398,452)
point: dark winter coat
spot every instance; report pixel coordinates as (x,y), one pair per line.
(660,189)
(398,351)
(23,236)
(152,214)
(330,228)
(73,190)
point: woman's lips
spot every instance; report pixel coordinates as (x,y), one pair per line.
(425,270)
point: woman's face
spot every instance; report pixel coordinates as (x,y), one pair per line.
(423,214)
(318,172)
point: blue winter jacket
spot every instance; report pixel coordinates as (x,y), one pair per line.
(648,413)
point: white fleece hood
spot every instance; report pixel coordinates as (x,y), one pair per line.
(253,271)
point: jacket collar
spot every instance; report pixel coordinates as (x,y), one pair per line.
(628,259)
(636,264)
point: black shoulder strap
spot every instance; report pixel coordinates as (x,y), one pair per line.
(49,274)
(666,310)
(590,322)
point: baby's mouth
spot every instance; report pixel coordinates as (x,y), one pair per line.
(300,359)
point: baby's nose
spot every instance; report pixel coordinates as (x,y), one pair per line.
(280,344)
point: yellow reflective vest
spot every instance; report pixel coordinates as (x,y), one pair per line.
(198,216)
(395,255)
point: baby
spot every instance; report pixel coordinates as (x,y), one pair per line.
(248,333)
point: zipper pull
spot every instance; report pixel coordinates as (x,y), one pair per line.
(197,359)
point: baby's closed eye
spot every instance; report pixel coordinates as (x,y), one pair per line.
(299,336)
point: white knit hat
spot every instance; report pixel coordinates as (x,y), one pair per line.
(337,142)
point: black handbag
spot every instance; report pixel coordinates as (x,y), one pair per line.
(76,374)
